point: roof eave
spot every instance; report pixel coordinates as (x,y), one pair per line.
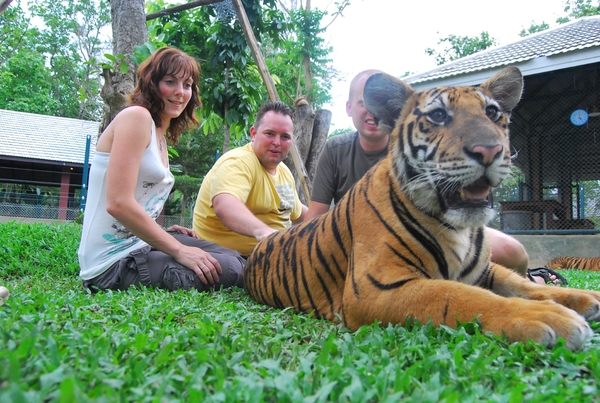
(529,67)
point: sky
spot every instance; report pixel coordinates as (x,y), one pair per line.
(392,35)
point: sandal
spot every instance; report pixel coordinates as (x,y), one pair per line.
(545,273)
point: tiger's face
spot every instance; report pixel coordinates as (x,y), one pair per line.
(449,146)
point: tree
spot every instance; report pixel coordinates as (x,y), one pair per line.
(51,61)
(231,88)
(456,47)
(14,33)
(129,29)
(534,28)
(4,5)
(196,153)
(302,63)
(26,84)
(25,80)
(577,9)
(71,41)
(184,194)
(574,9)
(288,39)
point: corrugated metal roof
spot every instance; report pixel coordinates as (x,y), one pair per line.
(580,34)
(42,137)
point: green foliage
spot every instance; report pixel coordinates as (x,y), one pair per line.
(57,55)
(343,130)
(26,84)
(142,52)
(574,9)
(579,8)
(196,152)
(185,191)
(14,33)
(118,60)
(60,343)
(588,194)
(25,81)
(534,28)
(304,39)
(455,47)
(231,87)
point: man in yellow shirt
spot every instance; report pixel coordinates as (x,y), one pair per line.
(249,194)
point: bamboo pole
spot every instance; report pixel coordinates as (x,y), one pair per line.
(271,90)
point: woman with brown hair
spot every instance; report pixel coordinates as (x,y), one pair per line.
(121,243)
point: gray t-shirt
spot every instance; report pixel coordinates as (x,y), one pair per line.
(341,164)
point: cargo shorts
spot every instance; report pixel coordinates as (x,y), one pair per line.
(149,267)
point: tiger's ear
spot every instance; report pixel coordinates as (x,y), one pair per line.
(505,87)
(384,97)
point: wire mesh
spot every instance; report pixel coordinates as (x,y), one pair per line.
(555,187)
(31,206)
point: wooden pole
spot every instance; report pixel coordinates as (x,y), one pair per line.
(271,90)
(183,7)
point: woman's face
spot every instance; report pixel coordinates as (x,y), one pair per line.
(175,92)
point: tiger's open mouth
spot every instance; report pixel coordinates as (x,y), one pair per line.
(474,195)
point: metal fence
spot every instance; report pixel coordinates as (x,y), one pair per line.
(47,207)
(38,212)
(555,187)
(24,205)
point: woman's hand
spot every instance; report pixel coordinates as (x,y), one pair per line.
(206,267)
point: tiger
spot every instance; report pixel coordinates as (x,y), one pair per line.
(408,242)
(578,263)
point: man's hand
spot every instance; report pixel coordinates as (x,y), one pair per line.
(260,235)
(236,216)
(183,230)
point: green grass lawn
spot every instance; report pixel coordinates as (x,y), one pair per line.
(61,344)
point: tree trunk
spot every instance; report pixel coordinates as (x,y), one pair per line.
(320,131)
(227,127)
(310,134)
(129,30)
(304,118)
(4,5)
(307,69)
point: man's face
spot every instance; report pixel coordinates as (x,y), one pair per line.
(271,141)
(355,108)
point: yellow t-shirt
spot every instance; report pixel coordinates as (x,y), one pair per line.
(271,198)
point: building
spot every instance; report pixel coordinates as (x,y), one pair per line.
(40,150)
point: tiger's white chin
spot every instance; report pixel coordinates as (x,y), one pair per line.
(466,207)
(426,200)
(468,217)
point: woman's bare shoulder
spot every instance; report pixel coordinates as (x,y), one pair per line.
(134,112)
(132,124)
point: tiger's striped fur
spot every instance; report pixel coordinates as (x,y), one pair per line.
(579,263)
(408,240)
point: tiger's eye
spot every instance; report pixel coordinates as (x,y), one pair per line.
(438,116)
(492,112)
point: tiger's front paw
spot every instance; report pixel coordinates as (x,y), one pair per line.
(544,322)
(584,302)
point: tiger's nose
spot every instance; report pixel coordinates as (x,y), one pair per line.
(485,154)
